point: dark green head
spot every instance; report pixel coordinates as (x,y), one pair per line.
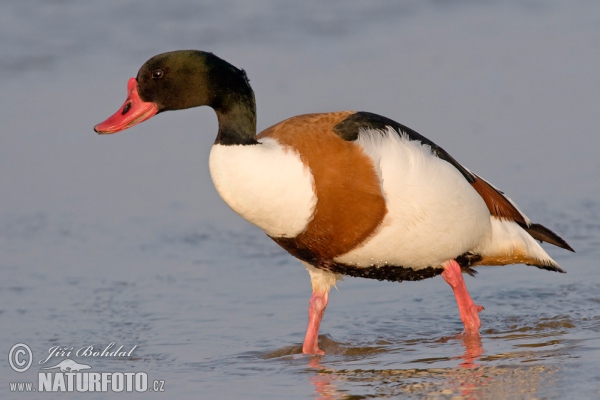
(190,78)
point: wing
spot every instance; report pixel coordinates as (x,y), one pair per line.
(500,206)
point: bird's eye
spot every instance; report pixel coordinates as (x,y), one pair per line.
(157,74)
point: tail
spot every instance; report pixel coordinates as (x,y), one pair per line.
(513,234)
(515,243)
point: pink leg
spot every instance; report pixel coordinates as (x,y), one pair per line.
(467,308)
(316,309)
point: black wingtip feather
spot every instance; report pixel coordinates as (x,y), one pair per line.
(541,233)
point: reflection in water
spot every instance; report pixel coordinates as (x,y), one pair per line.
(323,380)
(470,379)
(473,350)
(467,384)
(464,380)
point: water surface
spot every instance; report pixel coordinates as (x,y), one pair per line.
(123,239)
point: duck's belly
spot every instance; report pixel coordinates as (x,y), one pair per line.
(433,213)
(267,184)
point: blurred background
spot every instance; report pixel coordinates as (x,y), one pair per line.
(123,237)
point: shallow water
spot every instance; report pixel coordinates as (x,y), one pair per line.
(123,239)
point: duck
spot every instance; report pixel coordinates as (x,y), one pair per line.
(347,193)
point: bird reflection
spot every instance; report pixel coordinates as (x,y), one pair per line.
(473,350)
(466,379)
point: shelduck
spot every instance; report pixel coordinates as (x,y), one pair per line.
(346,193)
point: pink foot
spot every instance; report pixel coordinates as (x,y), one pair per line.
(469,311)
(316,309)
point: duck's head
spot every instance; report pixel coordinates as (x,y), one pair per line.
(183,79)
